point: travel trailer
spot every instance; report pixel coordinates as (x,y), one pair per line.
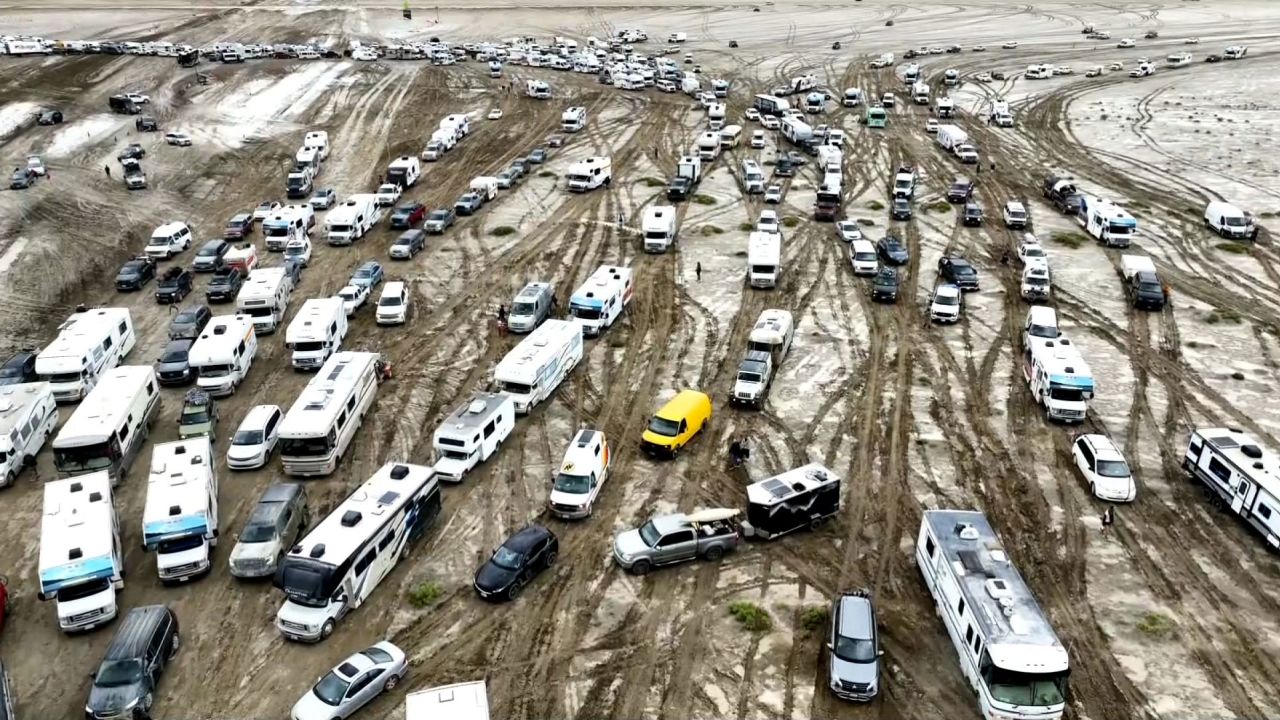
(1237,473)
(108,429)
(316,332)
(404,171)
(535,367)
(89,343)
(28,416)
(804,497)
(264,298)
(180,518)
(472,434)
(320,424)
(598,304)
(81,562)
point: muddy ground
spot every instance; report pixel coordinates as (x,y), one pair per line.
(911,415)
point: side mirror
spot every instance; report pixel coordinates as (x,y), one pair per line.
(879,653)
(831,647)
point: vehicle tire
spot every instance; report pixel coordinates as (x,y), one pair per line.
(173,646)
(9,478)
(144,706)
(715,552)
(551,558)
(513,592)
(326,630)
(1093,490)
(641,567)
(391,683)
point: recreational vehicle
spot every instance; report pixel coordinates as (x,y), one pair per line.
(589,174)
(752,177)
(573,119)
(349,221)
(764,259)
(770,105)
(537,89)
(1107,222)
(461,701)
(773,332)
(264,298)
(28,415)
(81,563)
(222,355)
(404,171)
(89,343)
(600,301)
(316,332)
(536,367)
(1178,60)
(530,307)
(803,497)
(920,93)
(180,518)
(108,429)
(659,228)
(796,130)
(472,434)
(279,229)
(1239,474)
(1007,649)
(852,97)
(1058,377)
(338,565)
(319,426)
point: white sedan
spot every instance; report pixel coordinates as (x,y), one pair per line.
(495,114)
(848,231)
(773,194)
(752,114)
(1063,70)
(1011,45)
(138,98)
(1104,468)
(979,48)
(983,77)
(353,683)
(180,139)
(1192,41)
(353,297)
(770,122)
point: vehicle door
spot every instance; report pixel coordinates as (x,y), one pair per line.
(270,430)
(1084,459)
(1241,494)
(682,434)
(154,659)
(676,546)
(364,689)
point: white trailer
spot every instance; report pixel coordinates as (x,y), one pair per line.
(81,563)
(463,701)
(180,518)
(28,415)
(264,297)
(920,92)
(600,301)
(535,367)
(89,343)
(224,352)
(589,174)
(796,130)
(659,228)
(1058,377)
(1237,473)
(316,332)
(1131,265)
(352,219)
(764,259)
(404,171)
(950,137)
(108,429)
(472,434)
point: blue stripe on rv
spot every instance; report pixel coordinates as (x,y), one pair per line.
(74,573)
(1075,381)
(154,532)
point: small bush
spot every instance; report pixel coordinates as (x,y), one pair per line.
(502,231)
(746,226)
(866,222)
(875,205)
(940,206)
(704,199)
(1233,248)
(1070,239)
(790,221)
(652,182)
(546,173)
(425,595)
(1157,625)
(1223,315)
(815,618)
(752,617)
(711,230)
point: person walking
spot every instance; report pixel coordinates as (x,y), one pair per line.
(1253,234)
(502,319)
(107,168)
(1108,519)
(697,269)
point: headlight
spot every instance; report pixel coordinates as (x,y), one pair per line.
(624,557)
(132,704)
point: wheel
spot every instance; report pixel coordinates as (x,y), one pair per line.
(327,629)
(551,558)
(513,592)
(816,523)
(173,646)
(1093,490)
(391,683)
(715,552)
(9,478)
(641,567)
(675,451)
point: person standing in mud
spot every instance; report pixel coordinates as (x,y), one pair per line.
(1108,519)
(502,319)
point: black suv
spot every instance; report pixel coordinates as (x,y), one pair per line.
(135,273)
(133,151)
(901,209)
(172,367)
(174,285)
(224,285)
(972,214)
(146,123)
(961,190)
(957,271)
(884,286)
(19,368)
(679,189)
(125,683)
(189,322)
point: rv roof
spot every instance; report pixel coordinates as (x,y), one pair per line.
(473,415)
(605,282)
(73,524)
(312,319)
(106,406)
(522,363)
(82,332)
(1231,444)
(177,485)
(532,290)
(1000,601)
(463,701)
(771,327)
(779,488)
(319,403)
(14,401)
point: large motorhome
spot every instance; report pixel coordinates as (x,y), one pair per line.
(829,197)
(764,259)
(920,92)
(322,421)
(180,518)
(339,564)
(264,298)
(1238,474)
(589,174)
(1107,222)
(659,228)
(472,434)
(461,701)
(282,227)
(28,415)
(600,301)
(1007,649)
(316,332)
(536,367)
(752,177)
(573,119)
(108,429)
(89,343)
(1058,377)
(352,219)
(81,563)
(222,355)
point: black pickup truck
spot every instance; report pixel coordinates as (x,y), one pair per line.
(224,285)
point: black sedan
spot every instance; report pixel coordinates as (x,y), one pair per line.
(50,117)
(892,250)
(525,554)
(407,214)
(19,368)
(135,273)
(133,151)
(884,286)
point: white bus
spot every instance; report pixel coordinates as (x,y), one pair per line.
(28,415)
(339,564)
(180,518)
(110,427)
(81,565)
(601,299)
(536,367)
(224,352)
(89,343)
(265,298)
(319,426)
(1007,649)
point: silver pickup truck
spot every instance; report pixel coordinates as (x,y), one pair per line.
(670,539)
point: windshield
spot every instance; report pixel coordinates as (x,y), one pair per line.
(393,301)
(762,269)
(84,590)
(11,371)
(259,532)
(941,299)
(247,437)
(194,415)
(574,484)
(84,458)
(515,388)
(749,377)
(186,316)
(257,312)
(115,673)
(295,251)
(1113,468)
(61,377)
(339,228)
(438,215)
(304,447)
(1044,331)
(174,356)
(1037,280)
(207,251)
(213,371)
(330,689)
(864,256)
(523,308)
(1117,229)
(1235,221)
(663,426)
(649,534)
(855,651)
(1067,394)
(309,346)
(505,558)
(584,313)
(1033,251)
(1152,287)
(190,542)
(1026,689)
(454,454)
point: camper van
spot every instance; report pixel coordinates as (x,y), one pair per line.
(920,93)
(659,228)
(321,423)
(224,352)
(537,89)
(283,227)
(764,259)
(1000,115)
(573,119)
(852,97)
(730,135)
(264,298)
(180,518)
(89,343)
(752,177)
(472,434)
(589,174)
(598,304)
(1237,473)
(318,139)
(28,415)
(535,367)
(404,171)
(316,332)
(1107,222)
(108,429)
(530,307)
(349,221)
(804,497)
(1228,220)
(773,332)
(81,562)
(1058,377)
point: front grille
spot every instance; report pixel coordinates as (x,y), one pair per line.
(251,564)
(854,687)
(565,508)
(85,616)
(179,570)
(296,627)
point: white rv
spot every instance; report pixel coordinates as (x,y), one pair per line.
(1235,52)
(796,130)
(536,367)
(764,259)
(404,171)
(264,297)
(600,301)
(316,332)
(1178,60)
(318,139)
(28,415)
(573,119)
(180,518)
(852,97)
(222,355)
(81,563)
(920,92)
(1107,222)
(773,332)
(349,221)
(537,89)
(582,473)
(1039,72)
(1001,116)
(1238,473)
(1227,220)
(322,421)
(285,226)
(338,565)
(752,177)
(659,228)
(1007,649)
(1058,377)
(589,174)
(472,434)
(89,343)
(108,429)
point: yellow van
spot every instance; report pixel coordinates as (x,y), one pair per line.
(676,423)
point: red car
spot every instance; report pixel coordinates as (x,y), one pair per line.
(407,215)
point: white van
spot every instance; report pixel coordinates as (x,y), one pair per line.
(757,139)
(472,434)
(582,473)
(28,414)
(221,357)
(659,228)
(168,240)
(729,136)
(393,304)
(1227,220)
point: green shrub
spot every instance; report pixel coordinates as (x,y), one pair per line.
(546,173)
(1157,625)
(746,226)
(875,205)
(940,206)
(1233,248)
(704,199)
(815,617)
(653,182)
(790,221)
(502,231)
(752,617)
(711,230)
(424,595)
(1223,315)
(1070,239)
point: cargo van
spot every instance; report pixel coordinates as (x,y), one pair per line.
(582,473)
(1228,220)
(530,307)
(672,427)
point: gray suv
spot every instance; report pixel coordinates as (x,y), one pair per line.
(854,647)
(125,683)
